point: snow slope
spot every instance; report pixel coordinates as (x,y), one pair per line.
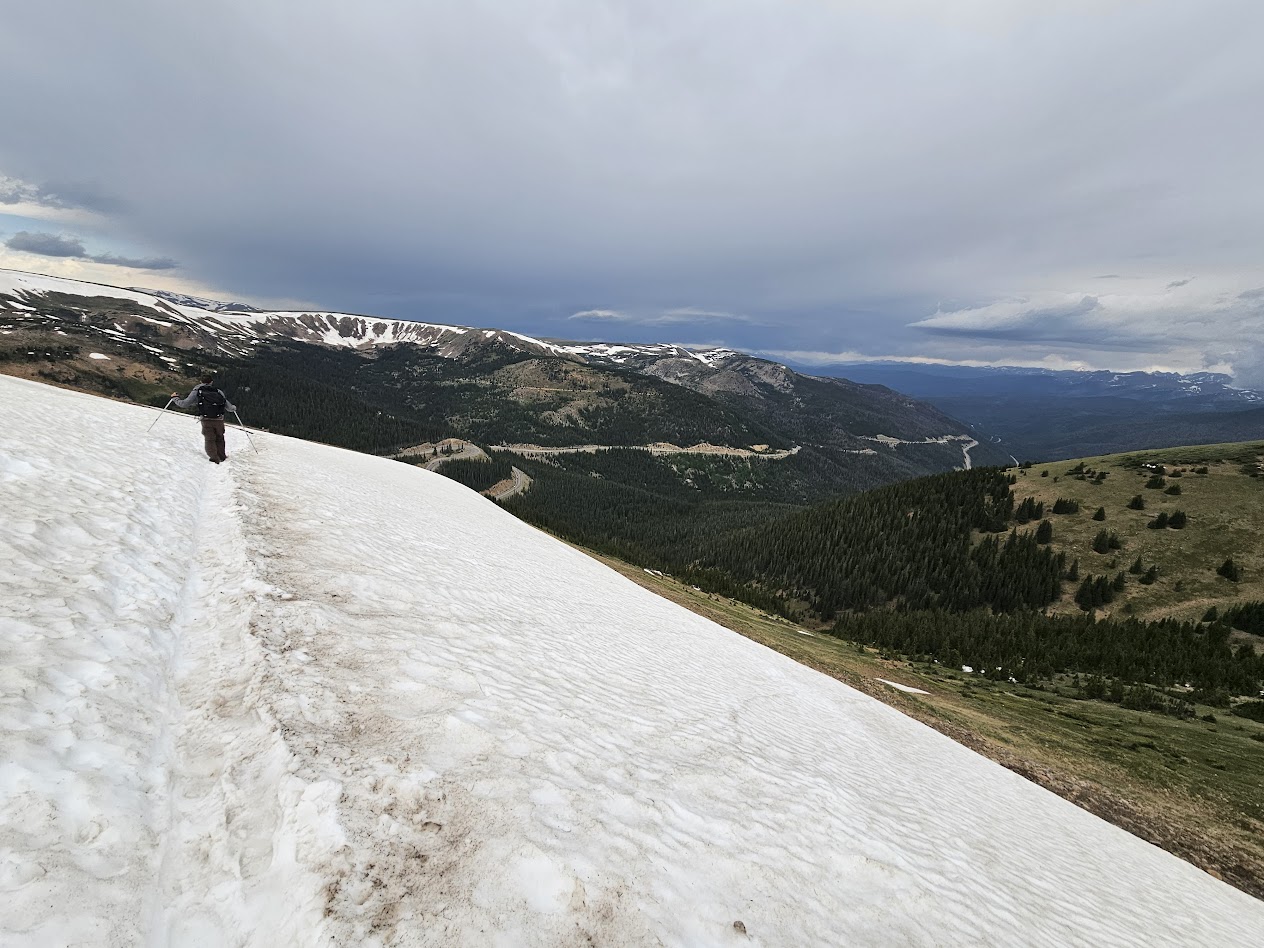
(311,697)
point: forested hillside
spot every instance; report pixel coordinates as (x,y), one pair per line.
(910,543)
(957,569)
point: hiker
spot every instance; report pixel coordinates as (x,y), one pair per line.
(211,404)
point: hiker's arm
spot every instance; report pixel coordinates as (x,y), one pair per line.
(187,402)
(229,406)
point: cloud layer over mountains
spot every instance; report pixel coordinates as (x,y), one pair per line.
(984,180)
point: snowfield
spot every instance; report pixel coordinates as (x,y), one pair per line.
(311,697)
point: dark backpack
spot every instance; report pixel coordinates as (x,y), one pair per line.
(211,402)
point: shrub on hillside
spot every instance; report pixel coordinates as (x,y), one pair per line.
(1105,541)
(1137,503)
(1030,509)
(1064,506)
(1230,570)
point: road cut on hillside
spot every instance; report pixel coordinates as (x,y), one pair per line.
(311,697)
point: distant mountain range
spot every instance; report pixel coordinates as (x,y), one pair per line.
(1040,414)
(403,380)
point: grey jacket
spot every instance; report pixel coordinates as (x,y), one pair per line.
(191,400)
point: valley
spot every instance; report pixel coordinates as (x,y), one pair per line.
(1045,415)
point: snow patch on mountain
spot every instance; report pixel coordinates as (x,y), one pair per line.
(198,302)
(315,697)
(18,283)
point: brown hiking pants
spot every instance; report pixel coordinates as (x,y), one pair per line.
(213,435)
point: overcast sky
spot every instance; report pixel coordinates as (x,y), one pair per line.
(1002,181)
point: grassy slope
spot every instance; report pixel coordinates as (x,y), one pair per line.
(1226,518)
(1191,787)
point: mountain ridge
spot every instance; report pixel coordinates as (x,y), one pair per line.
(827,413)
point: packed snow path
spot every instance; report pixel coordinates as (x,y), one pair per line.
(311,697)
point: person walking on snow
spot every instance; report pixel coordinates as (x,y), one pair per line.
(210,404)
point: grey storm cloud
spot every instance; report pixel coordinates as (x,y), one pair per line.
(829,170)
(47,245)
(15,191)
(135,263)
(61,245)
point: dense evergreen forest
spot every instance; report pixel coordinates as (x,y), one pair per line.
(1030,646)
(493,398)
(313,395)
(1249,617)
(478,474)
(908,545)
(591,499)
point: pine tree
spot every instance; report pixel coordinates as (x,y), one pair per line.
(1159,522)
(1084,595)
(1044,532)
(1100,513)
(1136,568)
(1121,580)
(1074,572)
(1150,576)
(1101,542)
(1156,482)
(1178,520)
(1174,490)
(1137,503)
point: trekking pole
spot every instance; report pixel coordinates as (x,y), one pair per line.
(160,414)
(242,426)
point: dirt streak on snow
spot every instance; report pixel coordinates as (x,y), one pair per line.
(313,697)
